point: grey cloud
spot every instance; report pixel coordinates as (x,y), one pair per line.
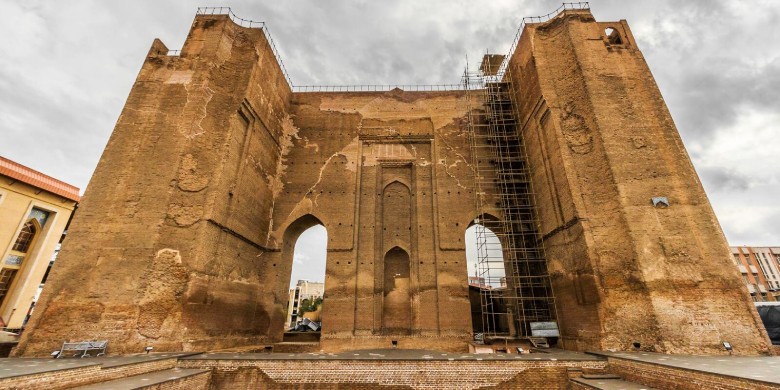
(724,179)
(64,76)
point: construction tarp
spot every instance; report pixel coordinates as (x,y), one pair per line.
(770,316)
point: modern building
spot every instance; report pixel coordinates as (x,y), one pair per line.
(34,213)
(477,281)
(760,268)
(303,290)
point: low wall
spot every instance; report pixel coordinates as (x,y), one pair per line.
(667,377)
(390,374)
(79,376)
(193,382)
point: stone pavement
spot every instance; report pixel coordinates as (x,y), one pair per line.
(11,367)
(760,368)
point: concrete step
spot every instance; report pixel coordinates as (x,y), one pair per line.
(174,378)
(296,347)
(55,374)
(600,376)
(301,337)
(610,383)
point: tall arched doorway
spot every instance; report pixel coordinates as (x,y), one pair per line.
(487,278)
(305,250)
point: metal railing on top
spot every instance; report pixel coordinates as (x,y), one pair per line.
(533,19)
(250,24)
(468,84)
(377,87)
(227,11)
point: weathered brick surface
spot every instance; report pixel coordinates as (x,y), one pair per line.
(185,234)
(666,377)
(382,170)
(166,252)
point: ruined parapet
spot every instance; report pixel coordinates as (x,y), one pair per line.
(603,145)
(166,247)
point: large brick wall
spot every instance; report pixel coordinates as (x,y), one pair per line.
(165,249)
(185,236)
(383,172)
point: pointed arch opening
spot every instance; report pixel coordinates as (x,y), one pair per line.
(396,305)
(484,252)
(26,236)
(486,274)
(305,250)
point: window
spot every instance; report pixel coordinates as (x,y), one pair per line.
(613,36)
(40,215)
(6,278)
(25,237)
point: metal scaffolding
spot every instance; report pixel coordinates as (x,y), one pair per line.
(515,293)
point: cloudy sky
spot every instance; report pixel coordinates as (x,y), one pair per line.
(67,67)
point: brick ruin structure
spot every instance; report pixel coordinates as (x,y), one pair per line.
(184,237)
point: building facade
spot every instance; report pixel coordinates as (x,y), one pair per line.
(218,163)
(304,290)
(34,212)
(760,269)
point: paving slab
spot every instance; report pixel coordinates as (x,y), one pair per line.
(148,379)
(12,367)
(760,368)
(611,384)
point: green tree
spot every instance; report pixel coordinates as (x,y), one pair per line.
(308,305)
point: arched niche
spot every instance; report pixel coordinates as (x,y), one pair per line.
(396,304)
(396,215)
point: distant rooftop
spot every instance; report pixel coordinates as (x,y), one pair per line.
(37,179)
